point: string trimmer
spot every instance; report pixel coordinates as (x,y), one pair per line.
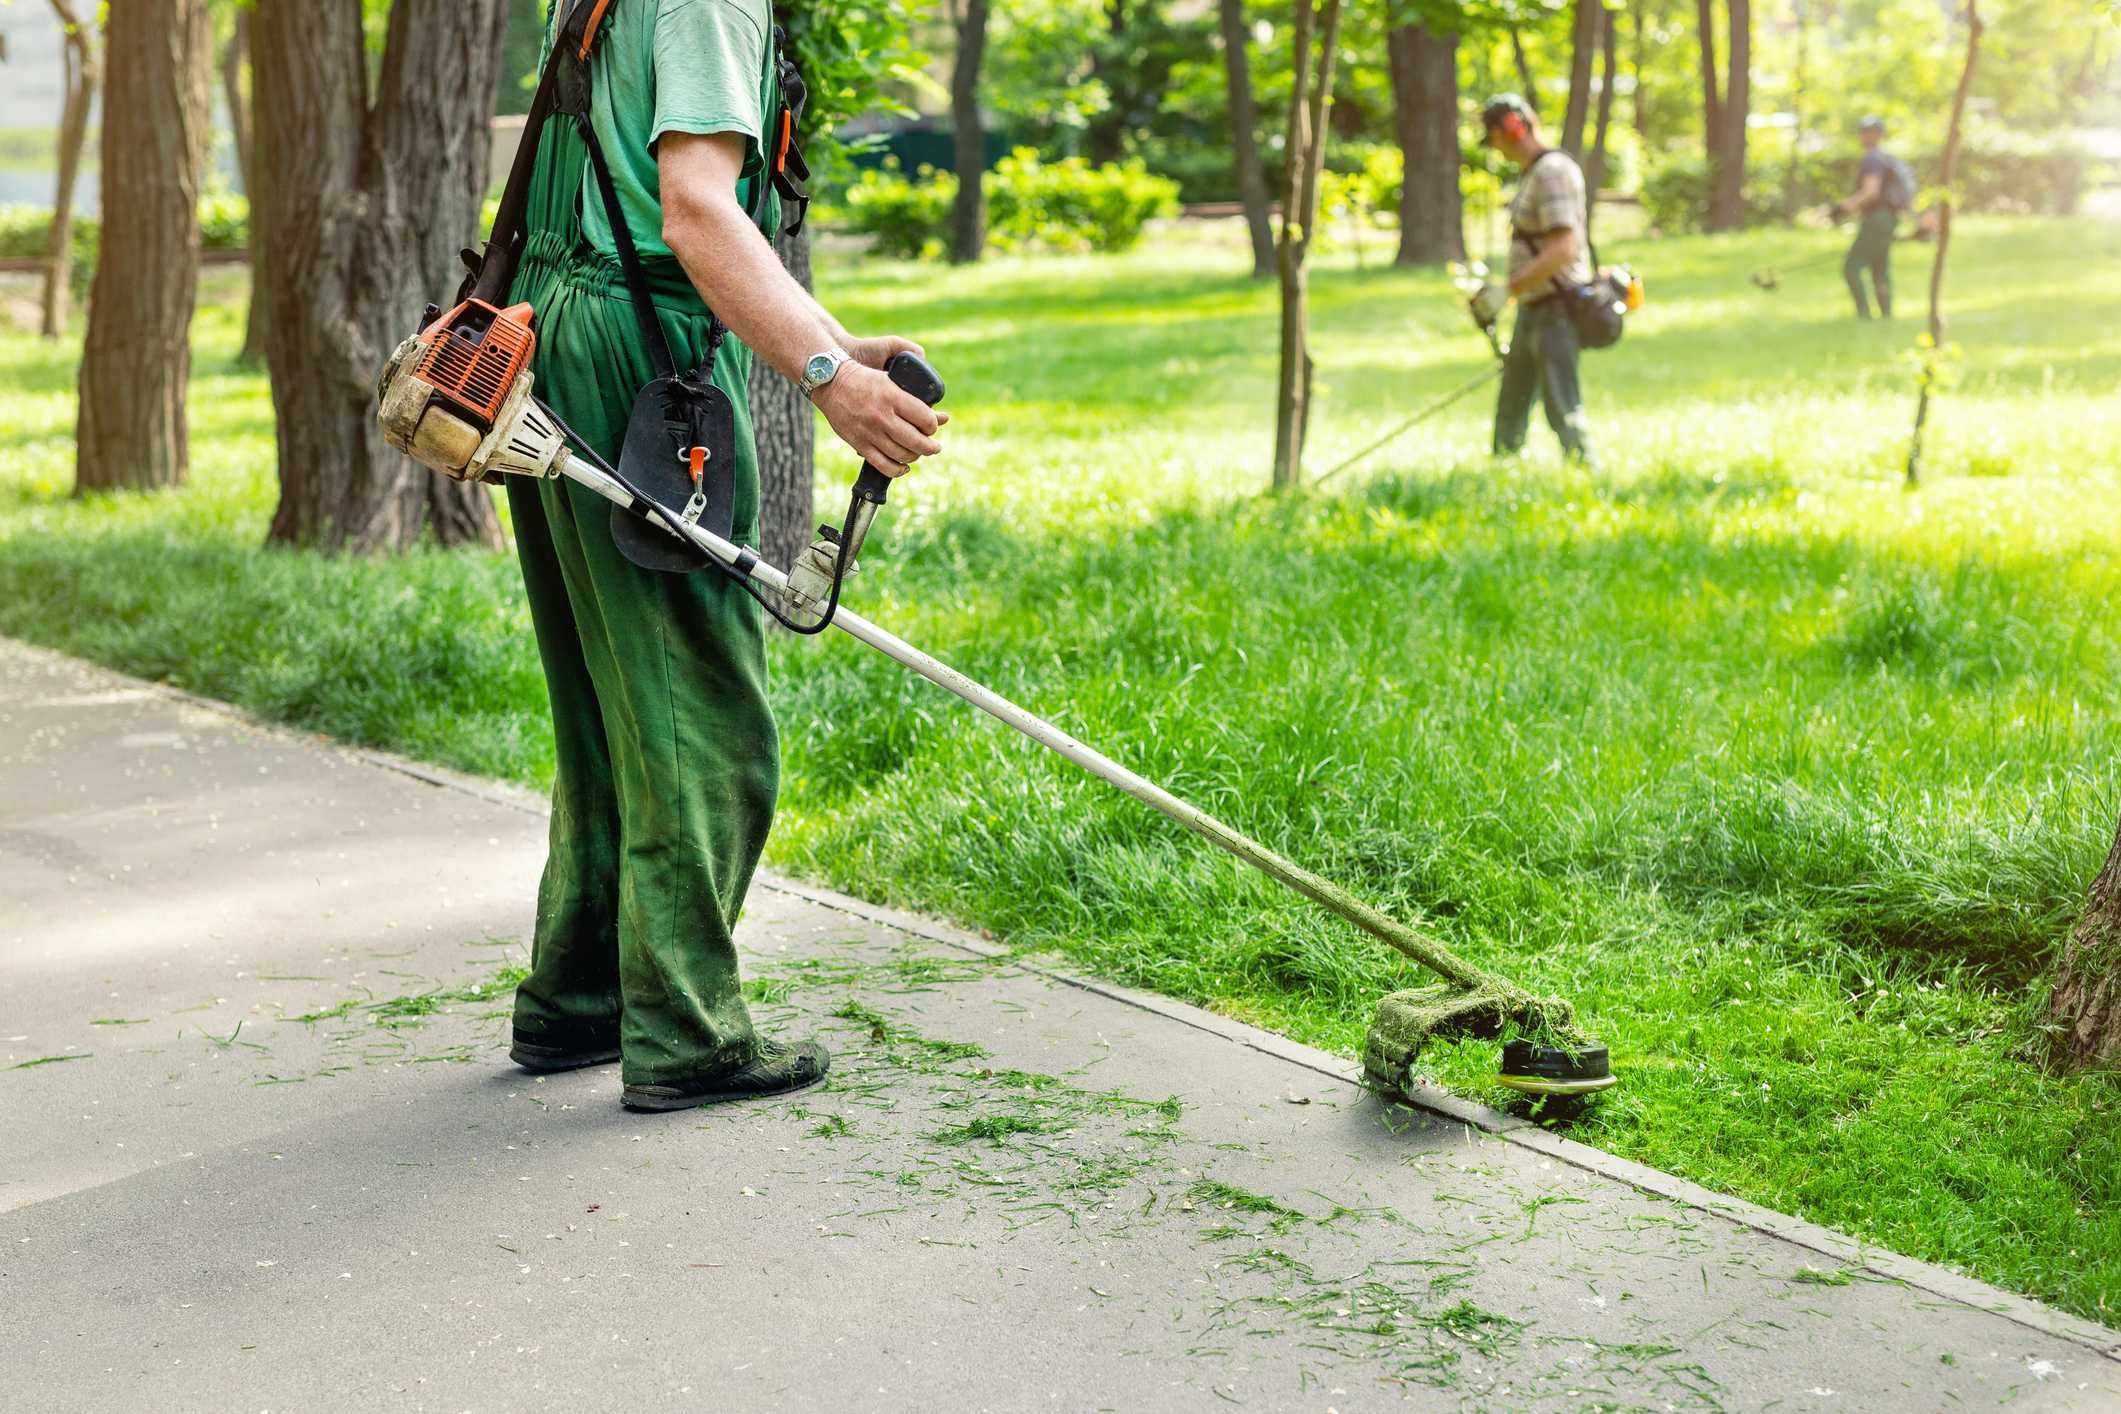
(1468,279)
(1769,277)
(458,398)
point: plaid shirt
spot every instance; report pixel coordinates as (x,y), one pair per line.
(1550,196)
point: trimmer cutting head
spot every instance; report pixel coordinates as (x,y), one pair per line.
(1556,1070)
(1407,1021)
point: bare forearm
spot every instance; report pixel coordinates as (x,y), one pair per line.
(737,272)
(1553,257)
(742,279)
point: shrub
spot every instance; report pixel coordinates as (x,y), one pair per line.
(908,217)
(2001,170)
(1063,205)
(1071,205)
(224,224)
(1675,192)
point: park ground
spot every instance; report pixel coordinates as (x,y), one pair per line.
(1792,779)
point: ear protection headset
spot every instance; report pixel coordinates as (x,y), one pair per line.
(1509,115)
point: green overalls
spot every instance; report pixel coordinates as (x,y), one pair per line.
(667,758)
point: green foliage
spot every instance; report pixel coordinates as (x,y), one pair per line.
(857,57)
(1071,205)
(2003,170)
(907,217)
(1675,193)
(1032,203)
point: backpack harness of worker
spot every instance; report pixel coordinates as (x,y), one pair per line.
(457,395)
(1600,306)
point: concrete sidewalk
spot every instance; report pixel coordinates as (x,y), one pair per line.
(260,1147)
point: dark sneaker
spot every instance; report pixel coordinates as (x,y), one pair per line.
(533,1055)
(776,1070)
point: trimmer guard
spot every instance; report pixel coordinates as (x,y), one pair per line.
(1406,1021)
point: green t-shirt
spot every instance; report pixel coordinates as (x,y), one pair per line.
(674,66)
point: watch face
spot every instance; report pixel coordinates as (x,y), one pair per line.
(819,369)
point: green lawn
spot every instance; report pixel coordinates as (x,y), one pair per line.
(1792,780)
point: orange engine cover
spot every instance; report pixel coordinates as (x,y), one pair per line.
(474,355)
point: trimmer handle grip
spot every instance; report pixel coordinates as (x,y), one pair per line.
(912,373)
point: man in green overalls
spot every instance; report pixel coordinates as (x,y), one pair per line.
(667,759)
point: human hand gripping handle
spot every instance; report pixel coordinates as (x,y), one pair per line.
(914,374)
(887,423)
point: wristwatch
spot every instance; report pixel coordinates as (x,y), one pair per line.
(820,369)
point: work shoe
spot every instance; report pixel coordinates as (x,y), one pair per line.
(777,1069)
(535,1055)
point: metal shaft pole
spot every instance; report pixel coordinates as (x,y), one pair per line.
(1419,946)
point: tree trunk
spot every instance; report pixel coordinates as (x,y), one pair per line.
(1793,180)
(968,214)
(136,363)
(79,58)
(1106,132)
(1584,32)
(1639,117)
(1244,137)
(1524,68)
(234,60)
(2084,1010)
(367,206)
(1310,101)
(1424,67)
(1711,99)
(1609,40)
(1932,355)
(1727,204)
(786,429)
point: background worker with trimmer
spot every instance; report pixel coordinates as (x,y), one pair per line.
(1549,255)
(667,758)
(1885,187)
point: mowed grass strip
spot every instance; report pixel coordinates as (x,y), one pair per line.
(1792,780)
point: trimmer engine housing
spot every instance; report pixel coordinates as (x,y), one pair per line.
(456,397)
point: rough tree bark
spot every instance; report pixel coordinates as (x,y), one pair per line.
(1585,28)
(136,361)
(1927,379)
(81,74)
(968,213)
(1609,40)
(1310,101)
(234,60)
(367,203)
(1727,200)
(786,429)
(1424,69)
(2084,1010)
(1244,137)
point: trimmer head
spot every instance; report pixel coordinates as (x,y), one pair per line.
(1406,1021)
(1556,1070)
